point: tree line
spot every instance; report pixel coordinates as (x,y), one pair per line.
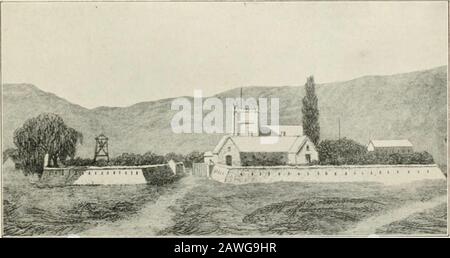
(132,159)
(47,134)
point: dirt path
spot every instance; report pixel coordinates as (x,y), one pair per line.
(370,225)
(151,219)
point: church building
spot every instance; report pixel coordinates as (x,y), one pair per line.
(283,145)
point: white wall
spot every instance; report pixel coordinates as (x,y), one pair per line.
(389,175)
(111,177)
(101,175)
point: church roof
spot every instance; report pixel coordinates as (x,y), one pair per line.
(290,130)
(264,143)
(391,143)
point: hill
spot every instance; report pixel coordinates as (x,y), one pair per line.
(410,105)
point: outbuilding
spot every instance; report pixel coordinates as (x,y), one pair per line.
(390,146)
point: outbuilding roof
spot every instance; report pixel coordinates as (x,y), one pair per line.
(264,143)
(391,143)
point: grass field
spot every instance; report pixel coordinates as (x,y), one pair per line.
(208,207)
(33,210)
(294,208)
(433,221)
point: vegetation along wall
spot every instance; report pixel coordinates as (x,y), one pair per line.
(386,174)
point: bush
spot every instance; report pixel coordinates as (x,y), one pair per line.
(193,157)
(174,156)
(263,159)
(159,175)
(340,152)
(349,152)
(78,162)
(131,159)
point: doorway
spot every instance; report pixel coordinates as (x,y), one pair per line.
(308,158)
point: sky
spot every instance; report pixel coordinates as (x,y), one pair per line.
(119,54)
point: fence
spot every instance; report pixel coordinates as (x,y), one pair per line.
(201,169)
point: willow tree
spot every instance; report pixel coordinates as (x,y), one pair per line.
(310,112)
(41,135)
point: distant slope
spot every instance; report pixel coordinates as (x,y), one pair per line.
(410,105)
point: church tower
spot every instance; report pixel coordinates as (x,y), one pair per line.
(245,120)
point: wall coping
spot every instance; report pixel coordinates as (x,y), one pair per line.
(108,167)
(326,166)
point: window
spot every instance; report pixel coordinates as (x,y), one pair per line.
(228,160)
(229,148)
(307,147)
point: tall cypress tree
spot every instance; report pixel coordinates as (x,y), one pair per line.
(310,112)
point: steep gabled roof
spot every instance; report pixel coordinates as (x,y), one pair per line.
(264,143)
(391,143)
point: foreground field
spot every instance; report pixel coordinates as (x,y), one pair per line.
(297,208)
(33,210)
(198,206)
